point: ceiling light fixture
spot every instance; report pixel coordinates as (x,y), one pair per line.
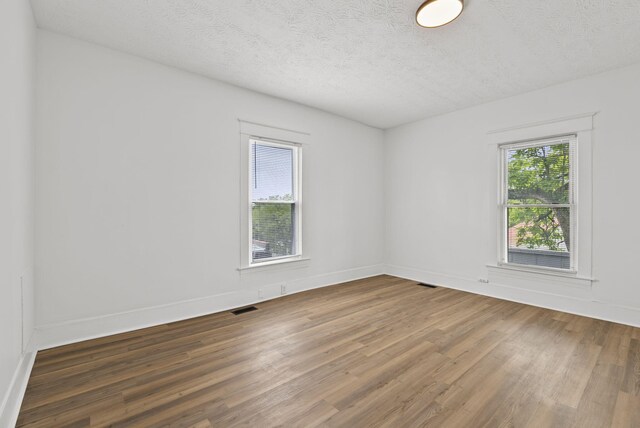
(436,13)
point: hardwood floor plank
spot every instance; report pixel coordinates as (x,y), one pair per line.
(597,405)
(632,368)
(627,411)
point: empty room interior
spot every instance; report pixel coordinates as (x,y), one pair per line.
(331,213)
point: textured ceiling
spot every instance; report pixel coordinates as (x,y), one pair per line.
(365,59)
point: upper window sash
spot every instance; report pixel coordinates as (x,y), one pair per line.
(295,185)
(504,173)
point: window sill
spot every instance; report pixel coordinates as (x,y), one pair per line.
(541,270)
(566,277)
(296,261)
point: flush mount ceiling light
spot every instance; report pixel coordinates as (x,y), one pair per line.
(436,13)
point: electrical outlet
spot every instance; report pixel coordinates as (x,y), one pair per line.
(483,280)
(260,294)
(283,289)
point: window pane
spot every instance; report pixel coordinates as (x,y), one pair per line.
(273,230)
(539,175)
(271,173)
(539,236)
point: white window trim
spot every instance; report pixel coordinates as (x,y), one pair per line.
(278,137)
(582,127)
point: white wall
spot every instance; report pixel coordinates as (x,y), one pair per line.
(137,201)
(437,182)
(138,169)
(17,53)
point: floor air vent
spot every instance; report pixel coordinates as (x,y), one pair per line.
(427,285)
(244,310)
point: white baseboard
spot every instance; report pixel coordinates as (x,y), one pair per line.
(52,335)
(570,304)
(10,407)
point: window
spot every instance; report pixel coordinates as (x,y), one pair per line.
(538,209)
(274,201)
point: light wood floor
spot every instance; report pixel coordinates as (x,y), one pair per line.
(376,352)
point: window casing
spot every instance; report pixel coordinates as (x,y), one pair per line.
(537,207)
(274,205)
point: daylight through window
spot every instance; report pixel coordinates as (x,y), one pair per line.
(274,201)
(538,206)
